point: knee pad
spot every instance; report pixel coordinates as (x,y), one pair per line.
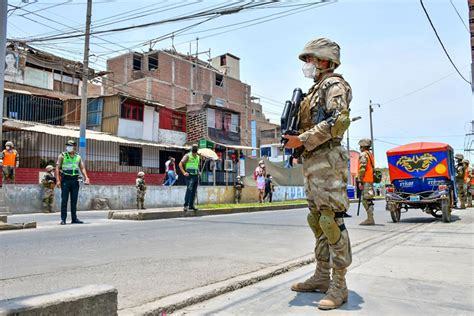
(329,227)
(370,202)
(313,222)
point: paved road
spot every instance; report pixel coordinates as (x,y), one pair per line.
(425,269)
(152,259)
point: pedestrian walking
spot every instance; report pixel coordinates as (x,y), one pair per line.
(365,179)
(238,187)
(189,166)
(269,188)
(141,190)
(324,117)
(9,161)
(68,167)
(170,172)
(48,181)
(460,175)
(259,176)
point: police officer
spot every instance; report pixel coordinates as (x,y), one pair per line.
(324,117)
(365,179)
(141,190)
(238,186)
(49,182)
(67,171)
(189,166)
(460,174)
(10,160)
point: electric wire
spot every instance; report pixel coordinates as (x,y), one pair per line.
(459,15)
(441,43)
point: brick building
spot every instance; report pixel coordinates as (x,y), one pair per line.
(265,135)
(179,81)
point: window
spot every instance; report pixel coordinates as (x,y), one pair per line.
(137,62)
(268,133)
(172,120)
(132,110)
(94,112)
(223,60)
(234,123)
(266,152)
(153,62)
(130,156)
(219,80)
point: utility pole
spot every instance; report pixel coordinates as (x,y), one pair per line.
(85,80)
(470,4)
(3,47)
(371,110)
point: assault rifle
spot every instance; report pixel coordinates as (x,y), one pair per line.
(359,196)
(290,121)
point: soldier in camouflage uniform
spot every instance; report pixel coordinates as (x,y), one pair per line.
(239,185)
(460,173)
(49,182)
(467,183)
(324,117)
(365,179)
(141,190)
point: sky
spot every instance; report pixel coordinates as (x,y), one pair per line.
(389,54)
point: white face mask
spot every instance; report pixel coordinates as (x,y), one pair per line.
(69,149)
(311,71)
(8,147)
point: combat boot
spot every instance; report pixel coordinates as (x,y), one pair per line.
(337,293)
(319,282)
(370,217)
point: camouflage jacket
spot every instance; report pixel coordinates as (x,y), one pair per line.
(331,95)
(460,172)
(49,180)
(239,185)
(140,184)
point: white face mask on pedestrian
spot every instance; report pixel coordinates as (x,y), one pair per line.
(311,71)
(69,149)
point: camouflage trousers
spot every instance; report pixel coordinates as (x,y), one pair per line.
(461,186)
(368,195)
(140,199)
(325,175)
(8,174)
(238,195)
(48,199)
(469,195)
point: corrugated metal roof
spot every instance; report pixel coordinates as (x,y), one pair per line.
(74,133)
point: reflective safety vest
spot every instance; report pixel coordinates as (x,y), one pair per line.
(192,165)
(466,176)
(369,169)
(9,158)
(70,165)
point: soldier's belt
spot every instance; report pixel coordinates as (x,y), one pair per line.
(328,144)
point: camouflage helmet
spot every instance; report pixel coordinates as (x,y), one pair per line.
(141,174)
(238,178)
(49,168)
(9,143)
(459,156)
(322,48)
(466,162)
(365,142)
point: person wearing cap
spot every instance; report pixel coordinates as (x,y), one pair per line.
(9,160)
(189,166)
(48,182)
(259,175)
(460,174)
(68,168)
(238,186)
(365,179)
(324,117)
(141,190)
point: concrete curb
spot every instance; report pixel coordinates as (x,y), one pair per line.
(151,215)
(16,226)
(136,215)
(181,300)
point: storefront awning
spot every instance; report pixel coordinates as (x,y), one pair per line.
(73,132)
(236,146)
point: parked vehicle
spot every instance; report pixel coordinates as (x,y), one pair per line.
(422,176)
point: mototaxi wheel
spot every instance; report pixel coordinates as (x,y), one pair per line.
(446,210)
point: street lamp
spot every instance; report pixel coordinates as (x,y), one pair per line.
(349,178)
(371,109)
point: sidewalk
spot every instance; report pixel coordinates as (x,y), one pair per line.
(427,270)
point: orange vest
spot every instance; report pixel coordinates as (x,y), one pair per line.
(472,180)
(466,175)
(9,158)
(369,170)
